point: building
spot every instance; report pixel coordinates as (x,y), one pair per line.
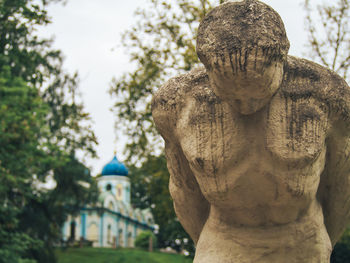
(113,222)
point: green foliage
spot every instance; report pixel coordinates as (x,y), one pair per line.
(143,239)
(102,255)
(160,45)
(42,125)
(329,34)
(341,251)
(22,112)
(34,61)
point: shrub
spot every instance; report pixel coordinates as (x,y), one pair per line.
(142,240)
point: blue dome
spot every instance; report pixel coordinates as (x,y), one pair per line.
(115,167)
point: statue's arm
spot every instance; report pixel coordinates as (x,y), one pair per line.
(335,184)
(190,205)
(334,188)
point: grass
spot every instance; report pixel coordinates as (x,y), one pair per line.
(107,255)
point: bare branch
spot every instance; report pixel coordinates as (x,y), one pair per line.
(329,39)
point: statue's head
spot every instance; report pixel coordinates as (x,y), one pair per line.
(243,45)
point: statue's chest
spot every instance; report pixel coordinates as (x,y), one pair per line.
(296,129)
(287,131)
(212,138)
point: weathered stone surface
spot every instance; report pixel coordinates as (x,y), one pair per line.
(257,143)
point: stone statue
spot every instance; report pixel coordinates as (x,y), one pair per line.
(257,144)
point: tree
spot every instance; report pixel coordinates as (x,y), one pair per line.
(22,116)
(43,125)
(160,45)
(32,59)
(329,34)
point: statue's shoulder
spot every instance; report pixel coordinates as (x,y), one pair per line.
(174,94)
(304,78)
(171,98)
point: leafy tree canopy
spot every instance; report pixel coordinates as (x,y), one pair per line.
(22,112)
(161,44)
(43,124)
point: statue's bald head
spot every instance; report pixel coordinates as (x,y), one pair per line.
(241,26)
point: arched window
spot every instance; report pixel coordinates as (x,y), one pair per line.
(130,241)
(92,232)
(119,192)
(108,187)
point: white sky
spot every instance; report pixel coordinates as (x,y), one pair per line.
(88,33)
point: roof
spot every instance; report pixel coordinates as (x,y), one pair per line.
(115,167)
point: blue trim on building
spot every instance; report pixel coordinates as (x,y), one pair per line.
(83,225)
(64,227)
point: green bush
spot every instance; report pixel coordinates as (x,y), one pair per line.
(142,240)
(341,251)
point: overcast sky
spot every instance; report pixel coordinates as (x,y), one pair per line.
(88,33)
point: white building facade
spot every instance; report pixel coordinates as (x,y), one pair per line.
(113,222)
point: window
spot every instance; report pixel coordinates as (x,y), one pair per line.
(109,234)
(111,206)
(120,238)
